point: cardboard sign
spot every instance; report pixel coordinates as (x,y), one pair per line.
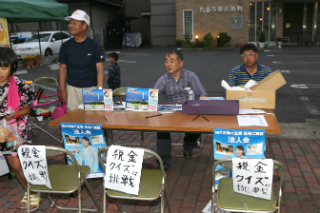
(253,177)
(141,99)
(84,141)
(123,169)
(4,35)
(239,143)
(34,164)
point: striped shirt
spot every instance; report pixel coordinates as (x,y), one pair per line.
(173,90)
(240,76)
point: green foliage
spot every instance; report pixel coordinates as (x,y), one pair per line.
(223,38)
(187,38)
(186,45)
(262,37)
(198,44)
(178,41)
(208,40)
(271,45)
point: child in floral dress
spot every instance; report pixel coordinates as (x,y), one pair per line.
(17,96)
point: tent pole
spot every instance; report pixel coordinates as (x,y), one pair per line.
(39,42)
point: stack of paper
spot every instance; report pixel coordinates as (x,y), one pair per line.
(252,120)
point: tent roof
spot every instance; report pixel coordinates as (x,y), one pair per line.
(33,10)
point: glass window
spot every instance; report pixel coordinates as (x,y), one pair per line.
(252,36)
(273,23)
(64,36)
(266,19)
(188,23)
(43,38)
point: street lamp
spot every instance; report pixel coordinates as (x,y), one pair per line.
(196,38)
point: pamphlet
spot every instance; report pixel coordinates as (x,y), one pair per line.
(141,99)
(93,99)
(108,101)
(242,143)
(169,108)
(119,107)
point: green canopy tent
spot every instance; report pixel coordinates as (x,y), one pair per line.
(33,10)
(17,11)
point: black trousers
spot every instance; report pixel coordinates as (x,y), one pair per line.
(164,144)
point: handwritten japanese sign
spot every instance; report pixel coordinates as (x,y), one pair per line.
(253,177)
(84,141)
(34,164)
(239,143)
(123,169)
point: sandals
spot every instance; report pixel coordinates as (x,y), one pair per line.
(34,201)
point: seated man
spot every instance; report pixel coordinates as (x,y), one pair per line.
(250,69)
(172,85)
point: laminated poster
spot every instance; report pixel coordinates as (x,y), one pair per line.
(4,33)
(84,141)
(247,143)
(141,99)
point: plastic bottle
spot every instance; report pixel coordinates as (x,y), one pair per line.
(190,93)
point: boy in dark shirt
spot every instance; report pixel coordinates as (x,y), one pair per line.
(114,74)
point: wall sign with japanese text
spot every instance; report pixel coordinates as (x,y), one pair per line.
(84,141)
(219,9)
(123,169)
(246,143)
(253,177)
(4,33)
(34,164)
(236,22)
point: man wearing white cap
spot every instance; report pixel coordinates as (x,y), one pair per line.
(81,62)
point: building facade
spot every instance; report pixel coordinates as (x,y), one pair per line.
(244,20)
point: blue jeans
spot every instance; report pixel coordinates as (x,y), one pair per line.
(164,144)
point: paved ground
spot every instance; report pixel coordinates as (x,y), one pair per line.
(189,180)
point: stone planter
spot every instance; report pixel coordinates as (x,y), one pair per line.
(28,64)
(261,45)
(279,44)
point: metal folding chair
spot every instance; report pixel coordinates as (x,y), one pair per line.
(44,101)
(65,179)
(152,183)
(225,193)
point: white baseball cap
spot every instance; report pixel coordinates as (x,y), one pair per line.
(79,15)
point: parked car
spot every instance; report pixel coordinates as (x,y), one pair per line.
(14,39)
(51,42)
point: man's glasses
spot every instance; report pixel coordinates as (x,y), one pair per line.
(249,55)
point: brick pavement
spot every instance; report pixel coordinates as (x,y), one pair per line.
(189,180)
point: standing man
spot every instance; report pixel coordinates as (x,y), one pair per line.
(172,85)
(81,62)
(250,69)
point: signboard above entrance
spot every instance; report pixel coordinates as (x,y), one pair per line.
(221,9)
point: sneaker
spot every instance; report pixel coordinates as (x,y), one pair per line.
(187,153)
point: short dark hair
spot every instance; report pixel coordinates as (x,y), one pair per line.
(247,47)
(86,139)
(178,53)
(114,55)
(241,148)
(8,58)
(83,22)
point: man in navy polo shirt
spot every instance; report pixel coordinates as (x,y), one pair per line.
(250,69)
(81,62)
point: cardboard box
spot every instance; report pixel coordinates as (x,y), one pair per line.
(262,95)
(211,107)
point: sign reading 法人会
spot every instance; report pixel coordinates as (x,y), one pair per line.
(4,35)
(248,143)
(34,164)
(253,177)
(123,169)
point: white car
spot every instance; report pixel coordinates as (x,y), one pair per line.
(51,42)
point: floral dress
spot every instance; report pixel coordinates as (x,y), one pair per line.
(27,97)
